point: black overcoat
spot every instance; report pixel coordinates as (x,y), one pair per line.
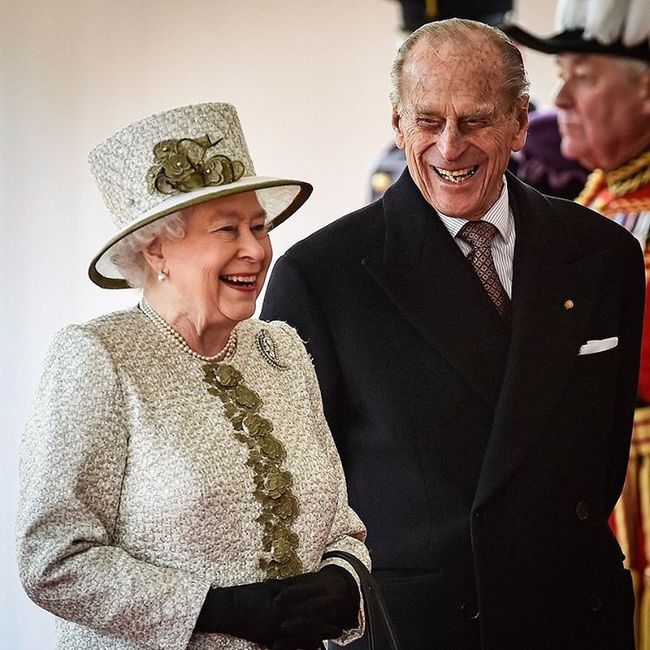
(484,459)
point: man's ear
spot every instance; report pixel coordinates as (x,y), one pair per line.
(644,89)
(521,115)
(153,255)
(399,136)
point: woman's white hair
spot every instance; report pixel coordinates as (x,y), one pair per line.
(127,254)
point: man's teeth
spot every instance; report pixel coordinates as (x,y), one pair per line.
(457,175)
(240,279)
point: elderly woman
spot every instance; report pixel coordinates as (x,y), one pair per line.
(179,485)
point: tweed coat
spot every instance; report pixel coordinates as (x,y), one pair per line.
(137,495)
(484,459)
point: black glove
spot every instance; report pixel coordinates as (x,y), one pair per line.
(316,606)
(245,611)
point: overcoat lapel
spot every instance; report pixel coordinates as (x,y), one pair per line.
(422,270)
(547,331)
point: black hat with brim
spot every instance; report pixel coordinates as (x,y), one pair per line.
(574,41)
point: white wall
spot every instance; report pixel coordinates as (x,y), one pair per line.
(309,80)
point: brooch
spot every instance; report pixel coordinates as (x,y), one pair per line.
(266,346)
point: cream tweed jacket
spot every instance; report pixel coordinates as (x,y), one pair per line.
(135,494)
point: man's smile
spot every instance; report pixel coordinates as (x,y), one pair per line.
(456,175)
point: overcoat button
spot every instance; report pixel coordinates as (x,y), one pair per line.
(582,510)
(469,610)
(479,515)
(596,602)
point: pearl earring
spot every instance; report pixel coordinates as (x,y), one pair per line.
(162,276)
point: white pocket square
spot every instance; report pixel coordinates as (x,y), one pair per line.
(598,345)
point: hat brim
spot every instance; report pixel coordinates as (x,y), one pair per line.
(574,41)
(279,197)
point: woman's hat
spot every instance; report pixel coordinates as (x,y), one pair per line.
(174,160)
(612,27)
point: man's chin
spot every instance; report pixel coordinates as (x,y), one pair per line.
(572,150)
(453,202)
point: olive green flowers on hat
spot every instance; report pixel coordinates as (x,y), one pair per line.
(184,165)
(175,160)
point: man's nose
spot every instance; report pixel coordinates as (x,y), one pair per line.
(451,143)
(562,97)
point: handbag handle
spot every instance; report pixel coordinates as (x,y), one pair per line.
(376,611)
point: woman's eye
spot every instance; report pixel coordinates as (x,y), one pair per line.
(259,230)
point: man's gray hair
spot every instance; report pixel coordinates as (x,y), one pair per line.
(635,68)
(465,33)
(127,255)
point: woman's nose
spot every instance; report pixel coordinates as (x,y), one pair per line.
(251,246)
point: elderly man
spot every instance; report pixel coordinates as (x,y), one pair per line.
(603,59)
(477,346)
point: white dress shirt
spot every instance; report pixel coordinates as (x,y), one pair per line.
(503,244)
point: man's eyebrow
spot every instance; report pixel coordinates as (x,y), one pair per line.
(426,110)
(479,111)
(576,59)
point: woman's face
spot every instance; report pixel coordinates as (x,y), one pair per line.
(218,269)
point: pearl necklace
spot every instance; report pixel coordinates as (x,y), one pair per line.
(227,351)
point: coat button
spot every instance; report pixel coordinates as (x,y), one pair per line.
(582,510)
(470,610)
(479,515)
(596,602)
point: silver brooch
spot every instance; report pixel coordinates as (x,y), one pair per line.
(266,346)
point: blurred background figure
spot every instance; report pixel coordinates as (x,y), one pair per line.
(540,163)
(603,102)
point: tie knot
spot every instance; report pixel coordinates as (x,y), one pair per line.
(478,234)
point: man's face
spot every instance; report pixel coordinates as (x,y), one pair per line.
(604,110)
(457,127)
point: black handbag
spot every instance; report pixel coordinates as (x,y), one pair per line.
(376,612)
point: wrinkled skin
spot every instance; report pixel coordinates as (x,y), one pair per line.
(225,239)
(604,109)
(454,115)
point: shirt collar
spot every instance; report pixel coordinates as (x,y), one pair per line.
(498,215)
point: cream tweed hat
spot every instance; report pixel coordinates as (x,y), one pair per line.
(174,160)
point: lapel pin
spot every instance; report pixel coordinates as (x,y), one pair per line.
(568,304)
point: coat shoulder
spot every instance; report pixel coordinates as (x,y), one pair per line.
(595,232)
(345,237)
(591,230)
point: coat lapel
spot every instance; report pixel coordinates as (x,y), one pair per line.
(547,331)
(422,270)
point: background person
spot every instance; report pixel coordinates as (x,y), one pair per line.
(179,484)
(482,405)
(540,163)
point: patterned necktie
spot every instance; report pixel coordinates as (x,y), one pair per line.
(479,235)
